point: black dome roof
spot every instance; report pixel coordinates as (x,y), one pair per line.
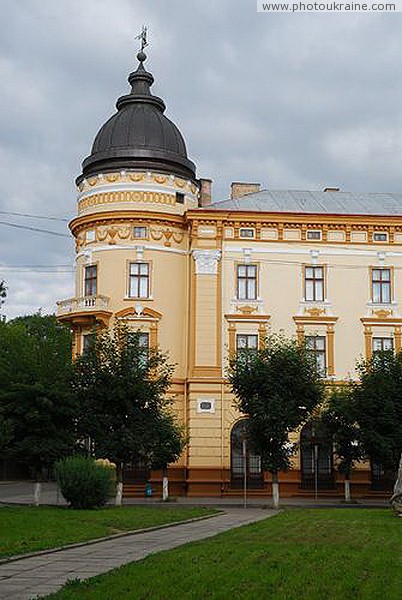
(139,136)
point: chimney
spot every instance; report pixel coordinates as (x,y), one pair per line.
(205,192)
(238,189)
(331,189)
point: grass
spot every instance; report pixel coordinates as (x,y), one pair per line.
(323,554)
(27,529)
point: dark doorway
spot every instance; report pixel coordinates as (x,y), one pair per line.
(381,479)
(253,461)
(317,460)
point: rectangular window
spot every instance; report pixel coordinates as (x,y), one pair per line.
(88,340)
(246,342)
(381,344)
(140,232)
(381,285)
(314,234)
(143,340)
(247,282)
(314,284)
(90,280)
(246,233)
(139,280)
(380,236)
(179,198)
(316,345)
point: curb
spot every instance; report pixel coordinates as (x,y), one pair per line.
(115,536)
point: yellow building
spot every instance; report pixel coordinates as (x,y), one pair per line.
(202,278)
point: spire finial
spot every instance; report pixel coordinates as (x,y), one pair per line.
(141,56)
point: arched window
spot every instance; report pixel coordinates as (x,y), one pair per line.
(254,474)
(316,458)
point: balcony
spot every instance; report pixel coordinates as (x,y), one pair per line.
(84,309)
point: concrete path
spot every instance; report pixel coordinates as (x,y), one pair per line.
(26,578)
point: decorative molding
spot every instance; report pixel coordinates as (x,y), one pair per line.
(206,261)
(126,196)
(136,177)
(247,310)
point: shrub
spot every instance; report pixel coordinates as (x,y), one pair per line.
(83,483)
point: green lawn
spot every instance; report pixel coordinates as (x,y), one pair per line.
(26,529)
(337,554)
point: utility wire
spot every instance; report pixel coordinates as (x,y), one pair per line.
(35,229)
(17,214)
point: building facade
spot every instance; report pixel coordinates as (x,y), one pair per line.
(201,279)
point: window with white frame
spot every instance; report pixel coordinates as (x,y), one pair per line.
(90,280)
(246,282)
(381,285)
(246,341)
(314,283)
(316,345)
(381,344)
(246,232)
(314,234)
(140,232)
(139,276)
(380,236)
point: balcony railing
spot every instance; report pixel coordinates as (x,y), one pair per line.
(84,304)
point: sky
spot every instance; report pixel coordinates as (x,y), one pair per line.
(292,101)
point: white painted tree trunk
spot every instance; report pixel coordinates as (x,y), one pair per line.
(275,494)
(37,492)
(165,488)
(347,491)
(119,493)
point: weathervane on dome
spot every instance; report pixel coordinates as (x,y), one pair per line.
(143,38)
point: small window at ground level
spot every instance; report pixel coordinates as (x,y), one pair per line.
(205,405)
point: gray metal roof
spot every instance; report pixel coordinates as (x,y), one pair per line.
(139,135)
(301,201)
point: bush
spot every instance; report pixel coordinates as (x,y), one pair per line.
(83,483)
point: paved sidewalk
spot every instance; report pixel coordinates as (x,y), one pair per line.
(39,575)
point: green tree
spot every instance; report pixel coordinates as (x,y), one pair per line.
(378,402)
(276,387)
(168,442)
(37,409)
(339,418)
(3,292)
(121,390)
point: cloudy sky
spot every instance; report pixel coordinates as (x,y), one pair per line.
(291,101)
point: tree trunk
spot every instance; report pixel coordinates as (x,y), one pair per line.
(348,496)
(275,489)
(165,485)
(37,492)
(119,484)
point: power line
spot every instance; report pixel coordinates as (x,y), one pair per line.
(35,229)
(31,216)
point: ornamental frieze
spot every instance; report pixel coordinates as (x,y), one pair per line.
(127,177)
(126,196)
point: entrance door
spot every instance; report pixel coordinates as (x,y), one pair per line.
(381,479)
(254,473)
(316,458)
